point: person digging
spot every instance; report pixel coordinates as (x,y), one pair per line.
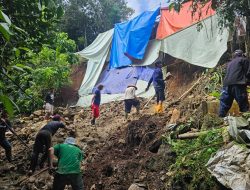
(159,86)
(69,165)
(95,104)
(43,142)
(131,100)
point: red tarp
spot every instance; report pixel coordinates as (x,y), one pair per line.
(172,21)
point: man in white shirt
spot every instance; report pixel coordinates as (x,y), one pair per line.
(130,100)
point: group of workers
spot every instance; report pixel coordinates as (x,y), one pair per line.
(70,156)
(234,88)
(130,99)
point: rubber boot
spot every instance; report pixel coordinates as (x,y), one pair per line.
(126,115)
(93,121)
(138,109)
(160,108)
(8,154)
(157,108)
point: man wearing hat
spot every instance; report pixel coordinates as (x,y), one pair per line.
(235,84)
(159,86)
(130,100)
(69,165)
(43,142)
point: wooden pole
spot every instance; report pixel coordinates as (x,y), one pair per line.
(36,174)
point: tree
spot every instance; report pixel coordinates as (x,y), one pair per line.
(227,10)
(85,19)
(35,57)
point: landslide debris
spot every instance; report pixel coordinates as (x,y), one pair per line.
(119,154)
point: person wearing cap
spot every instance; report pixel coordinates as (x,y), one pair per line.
(69,165)
(95,104)
(130,100)
(159,86)
(43,142)
(235,84)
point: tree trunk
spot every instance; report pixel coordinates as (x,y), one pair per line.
(247,43)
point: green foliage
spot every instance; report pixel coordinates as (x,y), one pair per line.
(189,170)
(49,68)
(85,19)
(216,76)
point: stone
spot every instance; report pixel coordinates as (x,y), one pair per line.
(66,113)
(142,176)
(38,112)
(213,107)
(26,118)
(36,119)
(163,178)
(32,179)
(93,187)
(122,141)
(137,186)
(175,116)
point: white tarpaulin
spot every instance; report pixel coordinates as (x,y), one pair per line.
(231,167)
(231,164)
(85,100)
(97,54)
(202,48)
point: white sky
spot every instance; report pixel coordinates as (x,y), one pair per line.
(145,5)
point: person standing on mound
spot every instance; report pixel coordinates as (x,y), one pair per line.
(95,104)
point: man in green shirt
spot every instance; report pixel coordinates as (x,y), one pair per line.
(69,164)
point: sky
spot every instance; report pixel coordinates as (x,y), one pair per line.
(145,5)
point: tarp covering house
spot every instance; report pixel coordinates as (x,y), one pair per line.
(172,21)
(131,62)
(131,38)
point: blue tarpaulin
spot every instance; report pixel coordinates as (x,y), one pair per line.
(131,38)
(115,81)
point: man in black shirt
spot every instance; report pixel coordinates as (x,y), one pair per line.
(43,142)
(235,84)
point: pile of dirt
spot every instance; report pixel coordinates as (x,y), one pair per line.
(131,155)
(117,153)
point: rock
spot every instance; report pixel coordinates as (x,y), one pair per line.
(137,186)
(66,113)
(93,187)
(122,141)
(36,119)
(175,116)
(213,107)
(142,176)
(61,134)
(38,112)
(26,118)
(32,179)
(163,178)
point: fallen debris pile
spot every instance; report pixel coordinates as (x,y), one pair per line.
(145,153)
